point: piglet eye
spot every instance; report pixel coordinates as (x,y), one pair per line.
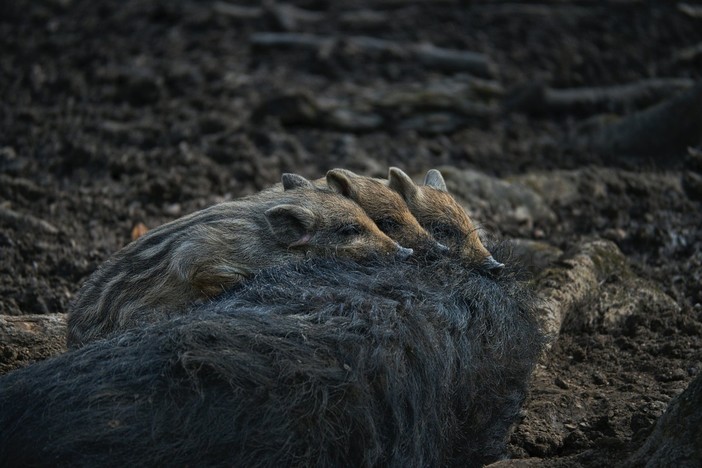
(387,224)
(348,230)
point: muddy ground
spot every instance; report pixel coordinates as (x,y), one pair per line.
(114,113)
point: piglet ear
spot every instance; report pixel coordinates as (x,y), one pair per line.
(436,180)
(339,180)
(291,225)
(291,181)
(402,183)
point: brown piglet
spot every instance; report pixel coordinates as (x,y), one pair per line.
(440,213)
(386,208)
(200,255)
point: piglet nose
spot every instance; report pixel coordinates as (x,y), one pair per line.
(492,264)
(403,253)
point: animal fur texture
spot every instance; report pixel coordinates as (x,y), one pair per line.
(205,253)
(445,219)
(320,363)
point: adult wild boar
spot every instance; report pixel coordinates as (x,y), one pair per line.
(321,363)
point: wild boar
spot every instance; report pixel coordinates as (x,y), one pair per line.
(320,363)
(383,205)
(442,215)
(386,208)
(200,255)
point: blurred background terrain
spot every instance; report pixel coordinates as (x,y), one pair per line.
(559,125)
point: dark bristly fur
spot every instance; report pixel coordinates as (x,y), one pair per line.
(200,255)
(323,363)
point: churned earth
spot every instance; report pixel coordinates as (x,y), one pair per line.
(572,129)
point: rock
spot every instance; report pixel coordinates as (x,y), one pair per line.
(676,439)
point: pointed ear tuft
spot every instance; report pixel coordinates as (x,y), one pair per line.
(339,180)
(291,225)
(291,181)
(402,183)
(346,172)
(436,180)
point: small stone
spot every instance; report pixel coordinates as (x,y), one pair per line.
(561,383)
(615,235)
(599,378)
(173,209)
(675,375)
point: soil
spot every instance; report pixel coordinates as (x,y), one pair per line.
(115,113)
